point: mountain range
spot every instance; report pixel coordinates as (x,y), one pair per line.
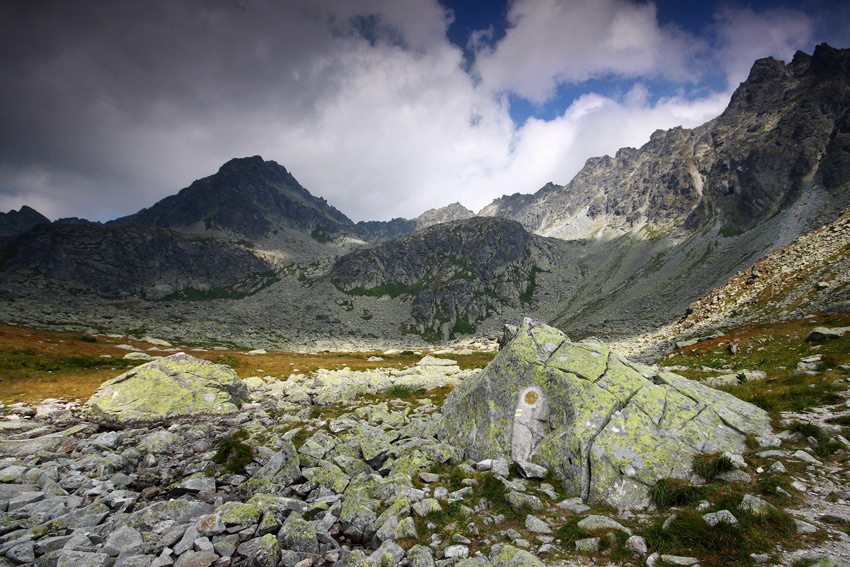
(248,257)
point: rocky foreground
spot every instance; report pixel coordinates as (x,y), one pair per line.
(363,468)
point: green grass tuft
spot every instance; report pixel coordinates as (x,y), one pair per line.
(456,478)
(670,492)
(233,454)
(403,392)
(708,466)
(724,544)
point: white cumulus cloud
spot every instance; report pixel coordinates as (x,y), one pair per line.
(106,108)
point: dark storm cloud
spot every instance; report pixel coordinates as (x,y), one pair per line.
(108,106)
(85,82)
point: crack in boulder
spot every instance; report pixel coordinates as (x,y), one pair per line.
(600,436)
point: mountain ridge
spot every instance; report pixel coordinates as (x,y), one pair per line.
(792,116)
(623,249)
(250,197)
(16,222)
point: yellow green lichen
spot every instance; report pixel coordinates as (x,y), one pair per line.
(168,387)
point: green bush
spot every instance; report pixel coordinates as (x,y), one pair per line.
(227,360)
(402,391)
(569,533)
(456,478)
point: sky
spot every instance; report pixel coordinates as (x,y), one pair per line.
(386,108)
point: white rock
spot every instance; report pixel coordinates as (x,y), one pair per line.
(736,459)
(429,360)
(803,456)
(537,525)
(804,527)
(720,517)
(457,551)
(636,544)
(588,545)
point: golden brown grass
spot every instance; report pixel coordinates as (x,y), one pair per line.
(37,364)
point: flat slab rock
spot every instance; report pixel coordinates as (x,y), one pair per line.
(607,426)
(176,385)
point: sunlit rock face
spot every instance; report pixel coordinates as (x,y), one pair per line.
(608,427)
(172,386)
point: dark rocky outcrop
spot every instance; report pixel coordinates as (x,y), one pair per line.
(455,274)
(151,263)
(76,220)
(249,198)
(17,222)
(380,231)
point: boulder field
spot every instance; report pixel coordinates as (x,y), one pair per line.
(343,468)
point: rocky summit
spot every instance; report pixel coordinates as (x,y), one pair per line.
(17,222)
(608,428)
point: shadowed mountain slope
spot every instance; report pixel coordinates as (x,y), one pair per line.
(248,198)
(17,222)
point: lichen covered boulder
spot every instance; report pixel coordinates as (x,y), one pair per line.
(175,385)
(609,428)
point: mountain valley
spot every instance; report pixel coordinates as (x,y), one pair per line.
(248,257)
(241,376)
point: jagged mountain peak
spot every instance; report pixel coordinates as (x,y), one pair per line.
(248,198)
(452,212)
(20,221)
(785,131)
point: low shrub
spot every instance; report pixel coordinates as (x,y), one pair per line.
(670,492)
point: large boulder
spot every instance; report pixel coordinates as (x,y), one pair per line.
(175,385)
(608,427)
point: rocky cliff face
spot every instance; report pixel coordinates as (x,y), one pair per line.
(147,262)
(784,132)
(248,198)
(455,274)
(17,222)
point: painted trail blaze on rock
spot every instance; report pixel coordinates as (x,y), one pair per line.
(530,418)
(608,427)
(179,384)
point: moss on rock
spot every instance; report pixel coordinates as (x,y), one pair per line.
(613,427)
(172,386)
